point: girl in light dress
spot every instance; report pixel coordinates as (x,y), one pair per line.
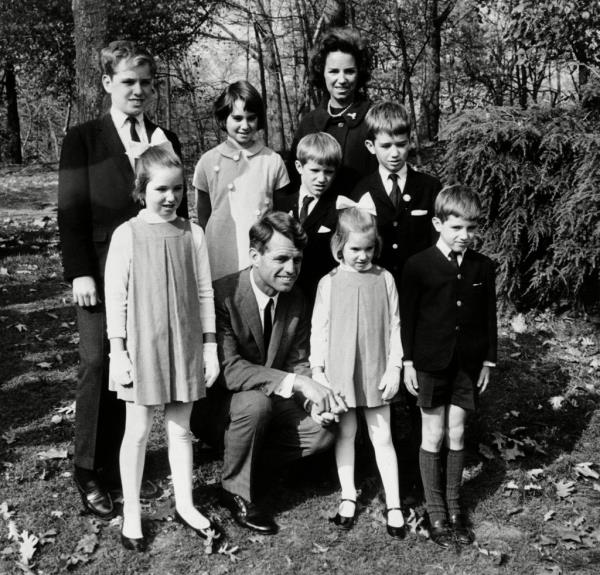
(356,350)
(236,180)
(161,327)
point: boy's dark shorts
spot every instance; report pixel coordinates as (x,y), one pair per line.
(451,386)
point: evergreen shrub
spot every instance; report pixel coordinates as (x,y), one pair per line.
(538,171)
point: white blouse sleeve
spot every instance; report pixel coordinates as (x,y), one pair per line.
(319,333)
(116,281)
(204,281)
(395,356)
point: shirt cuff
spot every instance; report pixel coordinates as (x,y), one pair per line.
(489,364)
(408,363)
(286,387)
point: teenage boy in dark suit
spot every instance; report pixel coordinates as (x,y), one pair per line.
(404,201)
(318,157)
(449,337)
(403,197)
(96,177)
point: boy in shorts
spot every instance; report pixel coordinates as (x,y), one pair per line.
(449,337)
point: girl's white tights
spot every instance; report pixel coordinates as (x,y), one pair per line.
(378,425)
(133,453)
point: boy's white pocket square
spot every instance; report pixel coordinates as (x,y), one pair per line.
(323,230)
(418,213)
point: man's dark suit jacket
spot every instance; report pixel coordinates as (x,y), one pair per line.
(319,227)
(94,194)
(407,230)
(245,364)
(446,311)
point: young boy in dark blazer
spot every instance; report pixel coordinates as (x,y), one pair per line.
(449,338)
(404,201)
(318,156)
(403,197)
(96,177)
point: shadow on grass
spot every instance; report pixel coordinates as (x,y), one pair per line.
(517,420)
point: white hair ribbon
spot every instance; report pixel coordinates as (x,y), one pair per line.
(158,139)
(365,203)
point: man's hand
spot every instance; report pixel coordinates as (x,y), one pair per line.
(323,397)
(324,418)
(85,293)
(211,363)
(484,378)
(410,380)
(390,382)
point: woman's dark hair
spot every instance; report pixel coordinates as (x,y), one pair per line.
(345,40)
(247,93)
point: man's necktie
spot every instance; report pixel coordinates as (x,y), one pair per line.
(453,256)
(132,131)
(304,209)
(267,323)
(395,193)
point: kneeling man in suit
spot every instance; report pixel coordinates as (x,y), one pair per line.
(270,408)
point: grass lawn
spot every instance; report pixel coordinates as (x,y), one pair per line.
(531,488)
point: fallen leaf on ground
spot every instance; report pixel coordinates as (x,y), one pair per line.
(535,473)
(87,544)
(556,402)
(9,436)
(53,453)
(514,510)
(585,469)
(511,485)
(549,515)
(5,511)
(319,548)
(20,327)
(532,487)
(27,548)
(545,540)
(512,453)
(44,364)
(13,532)
(518,324)
(486,451)
(564,488)
(567,534)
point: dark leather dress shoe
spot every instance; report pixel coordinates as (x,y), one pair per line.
(343,521)
(95,498)
(247,514)
(203,533)
(395,532)
(140,545)
(462,533)
(440,534)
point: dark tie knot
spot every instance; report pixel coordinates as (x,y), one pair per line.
(394,177)
(132,131)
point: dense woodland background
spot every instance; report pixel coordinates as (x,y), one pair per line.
(505,95)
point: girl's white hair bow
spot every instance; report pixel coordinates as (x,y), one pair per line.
(365,203)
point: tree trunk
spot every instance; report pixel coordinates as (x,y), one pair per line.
(429,121)
(13,126)
(274,102)
(90,21)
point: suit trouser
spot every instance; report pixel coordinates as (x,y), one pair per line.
(99,415)
(258,431)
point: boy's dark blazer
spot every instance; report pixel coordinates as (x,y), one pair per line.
(319,226)
(94,194)
(446,311)
(407,230)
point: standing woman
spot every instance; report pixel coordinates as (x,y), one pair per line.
(341,66)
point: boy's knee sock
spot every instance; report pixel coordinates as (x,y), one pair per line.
(454,469)
(430,464)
